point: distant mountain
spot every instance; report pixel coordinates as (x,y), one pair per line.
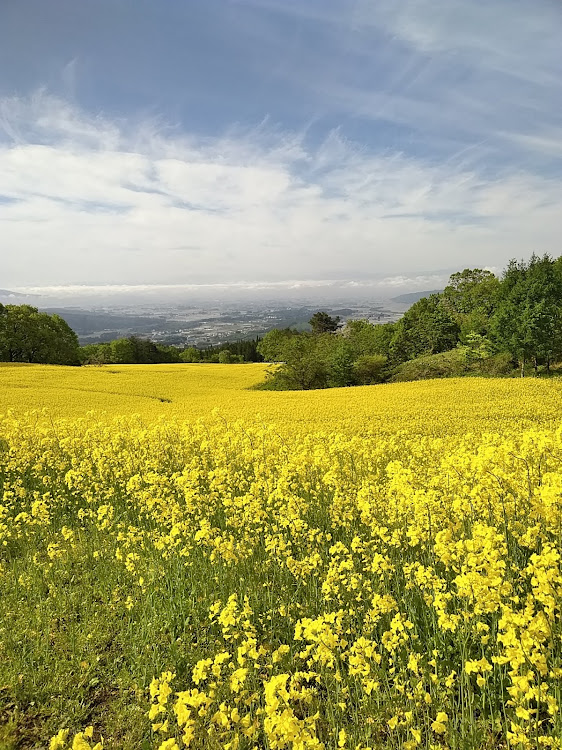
(14,295)
(409,299)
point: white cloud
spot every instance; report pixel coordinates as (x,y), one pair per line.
(86,200)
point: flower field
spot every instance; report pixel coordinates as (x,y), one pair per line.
(190,392)
(185,563)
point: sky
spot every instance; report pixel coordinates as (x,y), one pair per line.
(259,144)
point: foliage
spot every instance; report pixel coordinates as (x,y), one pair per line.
(321,322)
(246,350)
(479,324)
(528,319)
(132,350)
(462,361)
(369,369)
(476,348)
(190,354)
(138,351)
(321,360)
(27,335)
(443,365)
(497,365)
(367,339)
(426,327)
(272,346)
(471,298)
(304,363)
(226,357)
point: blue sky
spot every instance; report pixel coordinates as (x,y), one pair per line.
(380,142)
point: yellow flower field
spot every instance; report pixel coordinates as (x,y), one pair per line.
(185,563)
(194,391)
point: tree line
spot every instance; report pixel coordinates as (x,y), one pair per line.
(134,350)
(479,324)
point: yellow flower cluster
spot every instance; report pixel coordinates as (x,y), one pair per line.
(297,589)
(80,741)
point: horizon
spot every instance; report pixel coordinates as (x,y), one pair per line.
(295,291)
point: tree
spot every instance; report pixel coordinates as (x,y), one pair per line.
(95,354)
(301,367)
(191,354)
(272,346)
(27,335)
(169,354)
(528,320)
(471,298)
(367,338)
(321,322)
(425,328)
(476,348)
(64,342)
(122,352)
(336,355)
(225,357)
(244,350)
(369,369)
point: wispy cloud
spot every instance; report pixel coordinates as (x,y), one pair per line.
(449,73)
(88,199)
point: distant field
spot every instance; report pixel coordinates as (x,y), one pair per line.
(195,391)
(186,564)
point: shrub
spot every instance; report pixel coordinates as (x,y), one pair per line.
(369,369)
(497,366)
(443,365)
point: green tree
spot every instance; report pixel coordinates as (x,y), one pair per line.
(190,354)
(321,322)
(225,357)
(528,320)
(471,298)
(301,368)
(169,354)
(336,355)
(367,338)
(476,348)
(27,335)
(426,327)
(95,354)
(272,346)
(122,352)
(369,369)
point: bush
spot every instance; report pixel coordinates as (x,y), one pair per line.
(225,357)
(497,366)
(444,365)
(369,369)
(190,355)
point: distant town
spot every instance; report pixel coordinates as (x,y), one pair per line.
(201,327)
(207,323)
